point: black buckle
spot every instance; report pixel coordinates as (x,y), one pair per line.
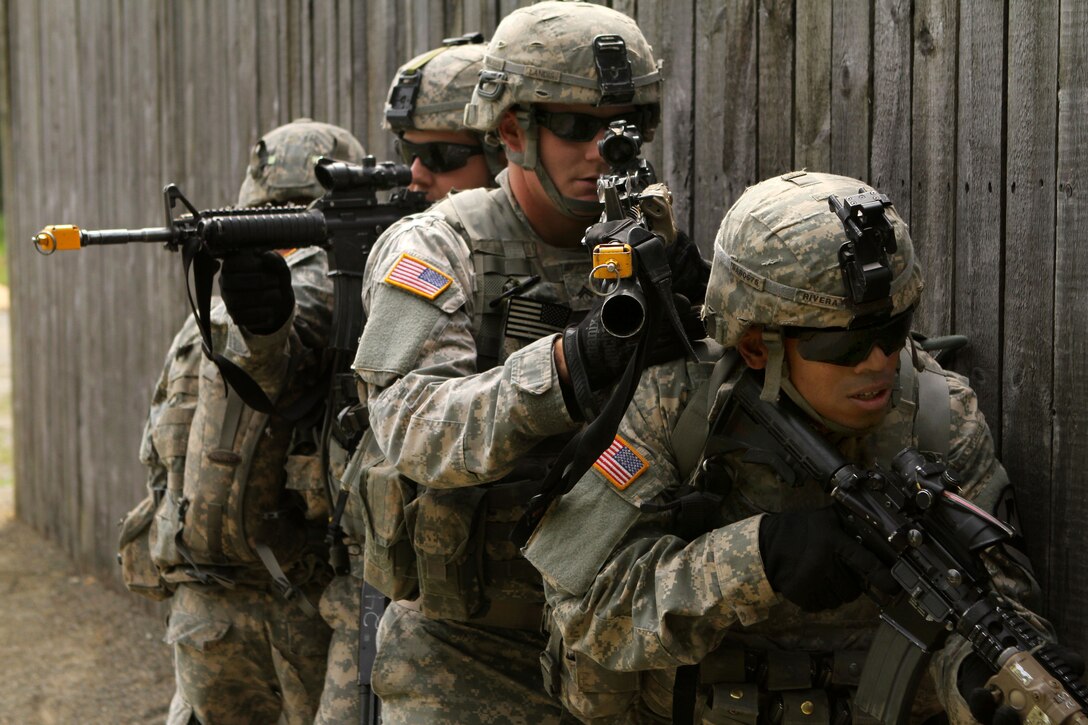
(402,101)
(863,260)
(613,70)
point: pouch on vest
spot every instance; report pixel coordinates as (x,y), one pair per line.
(305,478)
(447,534)
(170,438)
(138,571)
(234,491)
(587,689)
(388,556)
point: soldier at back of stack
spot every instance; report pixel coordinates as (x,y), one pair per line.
(240,506)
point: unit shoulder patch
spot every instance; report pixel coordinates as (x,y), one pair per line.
(417,277)
(621,464)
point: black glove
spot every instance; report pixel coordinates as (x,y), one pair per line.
(668,345)
(690,272)
(811,561)
(971,682)
(256,288)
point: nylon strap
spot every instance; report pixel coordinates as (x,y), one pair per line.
(588,444)
(554,76)
(204,267)
(289,591)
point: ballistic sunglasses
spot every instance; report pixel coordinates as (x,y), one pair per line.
(438,156)
(846,346)
(581,127)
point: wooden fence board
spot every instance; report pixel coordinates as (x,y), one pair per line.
(812,89)
(1027,329)
(850,103)
(933,157)
(1069,506)
(775,128)
(890,166)
(979,203)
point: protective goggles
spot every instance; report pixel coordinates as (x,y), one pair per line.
(581,127)
(438,156)
(845,346)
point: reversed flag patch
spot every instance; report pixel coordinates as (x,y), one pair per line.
(528,319)
(621,464)
(418,277)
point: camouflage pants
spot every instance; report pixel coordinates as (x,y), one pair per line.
(440,672)
(340,610)
(244,656)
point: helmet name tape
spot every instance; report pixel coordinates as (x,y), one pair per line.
(613,70)
(866,271)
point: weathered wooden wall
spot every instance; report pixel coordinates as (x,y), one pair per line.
(973,116)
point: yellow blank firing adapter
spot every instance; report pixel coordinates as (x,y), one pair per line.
(64,237)
(613,261)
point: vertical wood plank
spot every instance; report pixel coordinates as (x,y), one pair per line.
(812,113)
(726,103)
(850,89)
(775,87)
(1027,331)
(891,155)
(933,153)
(670,29)
(979,203)
(1068,583)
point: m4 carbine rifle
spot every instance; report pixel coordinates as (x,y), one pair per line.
(345,221)
(914,519)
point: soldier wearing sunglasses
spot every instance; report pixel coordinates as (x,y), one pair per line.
(464,306)
(693,540)
(425,110)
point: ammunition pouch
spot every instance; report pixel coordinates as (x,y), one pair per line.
(138,570)
(587,689)
(784,687)
(389,561)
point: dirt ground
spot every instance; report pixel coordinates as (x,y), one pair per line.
(71,650)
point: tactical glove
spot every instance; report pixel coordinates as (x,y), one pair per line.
(690,272)
(812,562)
(256,288)
(596,359)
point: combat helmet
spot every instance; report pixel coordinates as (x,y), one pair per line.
(281,163)
(564,52)
(430,91)
(782,258)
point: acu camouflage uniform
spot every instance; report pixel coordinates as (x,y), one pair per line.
(632,595)
(462,394)
(238,497)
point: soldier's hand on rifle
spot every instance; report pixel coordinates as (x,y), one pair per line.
(812,562)
(690,272)
(985,704)
(256,289)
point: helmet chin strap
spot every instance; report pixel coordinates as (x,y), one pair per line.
(776,379)
(530,159)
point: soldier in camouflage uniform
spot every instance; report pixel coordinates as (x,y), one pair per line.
(458,364)
(757,593)
(425,110)
(241,508)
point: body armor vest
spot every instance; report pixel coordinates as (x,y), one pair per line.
(450,548)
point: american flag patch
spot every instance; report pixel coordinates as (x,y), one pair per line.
(621,464)
(417,277)
(528,319)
